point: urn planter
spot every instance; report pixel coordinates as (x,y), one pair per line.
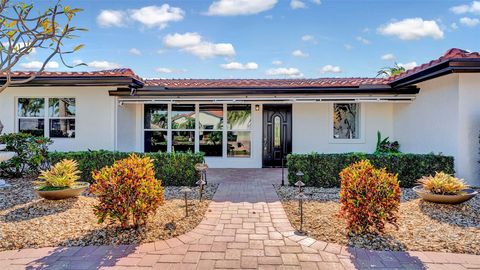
(464,196)
(61,194)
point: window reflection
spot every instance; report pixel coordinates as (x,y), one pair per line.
(183,116)
(62,128)
(238,143)
(239,116)
(345,120)
(155,141)
(210,116)
(31,107)
(276,131)
(61,107)
(183,141)
(156,116)
(211,143)
(35,127)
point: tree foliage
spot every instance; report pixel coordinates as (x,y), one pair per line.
(390,71)
(25,29)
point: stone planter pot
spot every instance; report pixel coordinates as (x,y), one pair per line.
(466,195)
(63,193)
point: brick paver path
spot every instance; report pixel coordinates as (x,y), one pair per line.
(245,227)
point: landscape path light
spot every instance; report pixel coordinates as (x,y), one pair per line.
(299,183)
(185,191)
(202,168)
(301,198)
(201,184)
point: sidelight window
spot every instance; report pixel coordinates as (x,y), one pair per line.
(239,120)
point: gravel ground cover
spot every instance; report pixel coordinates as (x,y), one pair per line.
(27,221)
(423,226)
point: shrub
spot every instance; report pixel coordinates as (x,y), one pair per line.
(442,183)
(62,175)
(175,169)
(385,146)
(322,170)
(127,191)
(369,197)
(31,154)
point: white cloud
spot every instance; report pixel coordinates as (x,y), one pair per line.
(330,69)
(299,53)
(307,38)
(363,40)
(34,65)
(182,40)
(99,65)
(239,7)
(408,65)
(135,51)
(240,66)
(193,43)
(288,72)
(164,70)
(277,62)
(474,7)
(77,62)
(411,29)
(348,47)
(108,18)
(157,16)
(296,4)
(318,2)
(454,26)
(388,57)
(471,22)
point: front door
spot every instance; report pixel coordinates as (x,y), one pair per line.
(277,134)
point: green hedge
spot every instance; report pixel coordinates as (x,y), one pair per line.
(174,169)
(321,170)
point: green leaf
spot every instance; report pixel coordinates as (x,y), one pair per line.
(78,47)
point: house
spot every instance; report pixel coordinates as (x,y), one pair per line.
(254,123)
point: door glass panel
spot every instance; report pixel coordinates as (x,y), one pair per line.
(276,131)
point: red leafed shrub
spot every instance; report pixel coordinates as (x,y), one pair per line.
(127,191)
(369,198)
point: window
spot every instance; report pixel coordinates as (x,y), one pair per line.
(32,116)
(62,117)
(210,120)
(217,130)
(346,124)
(239,120)
(183,127)
(156,125)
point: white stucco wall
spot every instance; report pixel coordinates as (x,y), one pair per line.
(312,128)
(128,116)
(469,128)
(430,122)
(95,112)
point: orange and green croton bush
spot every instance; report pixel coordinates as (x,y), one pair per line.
(369,198)
(127,191)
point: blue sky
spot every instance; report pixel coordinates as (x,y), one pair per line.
(268,38)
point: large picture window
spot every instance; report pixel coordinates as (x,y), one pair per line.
(58,113)
(346,121)
(217,130)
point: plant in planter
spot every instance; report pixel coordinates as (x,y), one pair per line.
(444,188)
(60,181)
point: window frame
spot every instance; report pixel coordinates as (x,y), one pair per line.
(361,123)
(46,117)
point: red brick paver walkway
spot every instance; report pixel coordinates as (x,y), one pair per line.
(245,227)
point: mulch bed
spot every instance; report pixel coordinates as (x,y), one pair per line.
(423,226)
(26,221)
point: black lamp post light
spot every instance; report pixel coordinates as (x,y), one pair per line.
(299,183)
(185,191)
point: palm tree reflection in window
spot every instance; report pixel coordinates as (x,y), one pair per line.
(345,121)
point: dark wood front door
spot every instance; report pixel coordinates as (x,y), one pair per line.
(277,134)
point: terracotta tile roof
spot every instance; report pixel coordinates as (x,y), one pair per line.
(119,72)
(264,83)
(453,53)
